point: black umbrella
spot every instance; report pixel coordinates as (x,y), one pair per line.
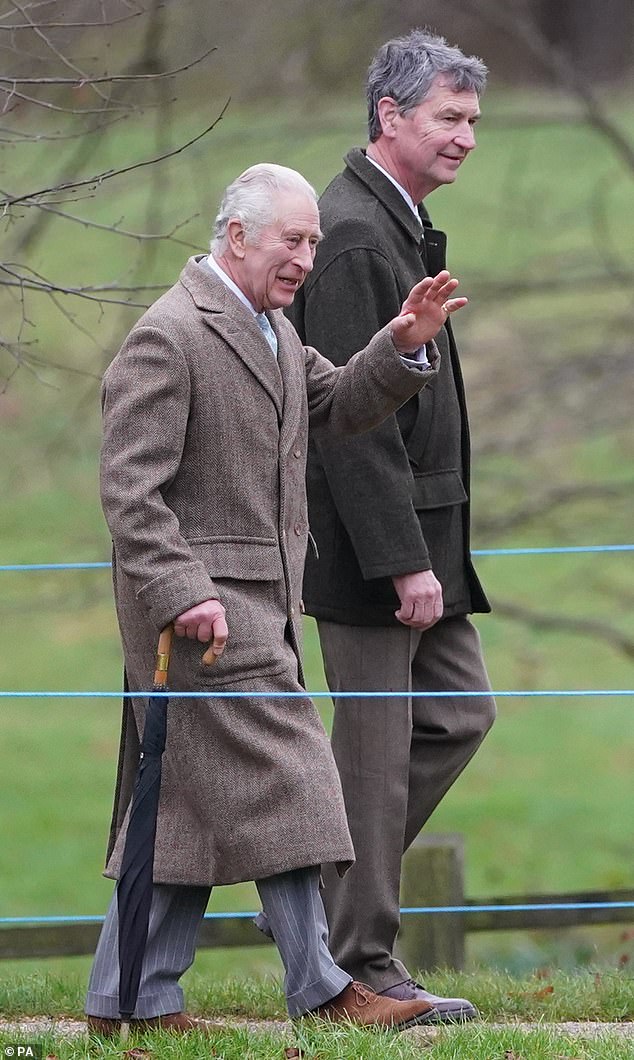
(134,889)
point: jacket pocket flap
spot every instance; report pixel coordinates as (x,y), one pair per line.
(242,558)
(438,489)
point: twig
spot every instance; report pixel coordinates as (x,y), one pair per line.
(566,624)
(99,178)
(80,82)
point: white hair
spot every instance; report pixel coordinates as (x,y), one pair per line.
(253,197)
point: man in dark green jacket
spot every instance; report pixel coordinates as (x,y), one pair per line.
(393,583)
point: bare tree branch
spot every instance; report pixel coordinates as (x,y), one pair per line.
(545,501)
(515,20)
(90,79)
(99,178)
(587,627)
(85,78)
(48,287)
(68,25)
(118,231)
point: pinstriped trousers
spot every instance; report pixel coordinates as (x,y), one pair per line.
(293,915)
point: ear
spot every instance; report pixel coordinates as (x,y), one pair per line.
(236,237)
(388,112)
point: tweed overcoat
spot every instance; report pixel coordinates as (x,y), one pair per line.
(372,253)
(203,488)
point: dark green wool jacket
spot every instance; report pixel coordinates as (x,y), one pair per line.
(394,500)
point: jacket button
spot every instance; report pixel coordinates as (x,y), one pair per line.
(297,453)
(299,529)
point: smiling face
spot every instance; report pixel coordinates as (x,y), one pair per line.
(271,267)
(425,147)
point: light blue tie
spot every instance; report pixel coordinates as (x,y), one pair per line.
(265,327)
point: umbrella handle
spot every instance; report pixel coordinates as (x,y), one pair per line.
(163,657)
(210,656)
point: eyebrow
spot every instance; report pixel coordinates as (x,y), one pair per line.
(453,111)
(303,233)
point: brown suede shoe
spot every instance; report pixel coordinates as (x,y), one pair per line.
(176,1022)
(359,1004)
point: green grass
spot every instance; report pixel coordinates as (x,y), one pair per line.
(342,1043)
(504,1003)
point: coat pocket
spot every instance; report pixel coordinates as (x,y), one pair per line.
(438,499)
(239,557)
(438,489)
(248,575)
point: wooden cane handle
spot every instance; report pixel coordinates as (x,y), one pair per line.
(163,656)
(210,657)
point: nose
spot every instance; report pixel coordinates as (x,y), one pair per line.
(305,255)
(465,137)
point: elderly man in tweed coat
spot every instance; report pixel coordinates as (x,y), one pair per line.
(206,412)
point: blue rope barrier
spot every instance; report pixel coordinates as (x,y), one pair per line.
(475,552)
(13,921)
(550,551)
(54,566)
(316,695)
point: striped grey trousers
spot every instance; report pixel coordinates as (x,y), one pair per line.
(293,915)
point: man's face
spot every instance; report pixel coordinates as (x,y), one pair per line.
(274,267)
(432,140)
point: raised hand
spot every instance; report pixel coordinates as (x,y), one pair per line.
(424,311)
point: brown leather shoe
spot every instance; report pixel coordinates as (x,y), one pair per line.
(176,1022)
(359,1004)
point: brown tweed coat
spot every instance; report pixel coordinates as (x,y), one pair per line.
(202,484)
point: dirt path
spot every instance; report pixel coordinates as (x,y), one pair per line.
(69,1028)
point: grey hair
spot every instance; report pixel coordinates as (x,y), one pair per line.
(405,69)
(252,198)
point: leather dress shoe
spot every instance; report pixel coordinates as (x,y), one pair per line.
(446,1009)
(359,1004)
(176,1022)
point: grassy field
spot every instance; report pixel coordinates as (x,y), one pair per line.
(530,1018)
(547,804)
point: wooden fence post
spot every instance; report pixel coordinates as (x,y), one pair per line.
(432,875)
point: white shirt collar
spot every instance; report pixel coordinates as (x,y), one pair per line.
(211,262)
(406,195)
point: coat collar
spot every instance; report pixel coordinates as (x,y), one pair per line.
(387,194)
(430,241)
(231,320)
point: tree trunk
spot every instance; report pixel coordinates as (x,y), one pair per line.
(598,35)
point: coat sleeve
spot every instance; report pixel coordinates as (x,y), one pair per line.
(145,403)
(369,477)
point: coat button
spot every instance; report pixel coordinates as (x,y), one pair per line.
(299,529)
(297,453)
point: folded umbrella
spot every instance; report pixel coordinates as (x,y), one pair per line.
(134,889)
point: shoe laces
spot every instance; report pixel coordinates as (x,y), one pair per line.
(365,994)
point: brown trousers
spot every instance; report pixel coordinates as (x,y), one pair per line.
(397,757)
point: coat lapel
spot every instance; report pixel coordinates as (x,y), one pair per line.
(290,356)
(233,322)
